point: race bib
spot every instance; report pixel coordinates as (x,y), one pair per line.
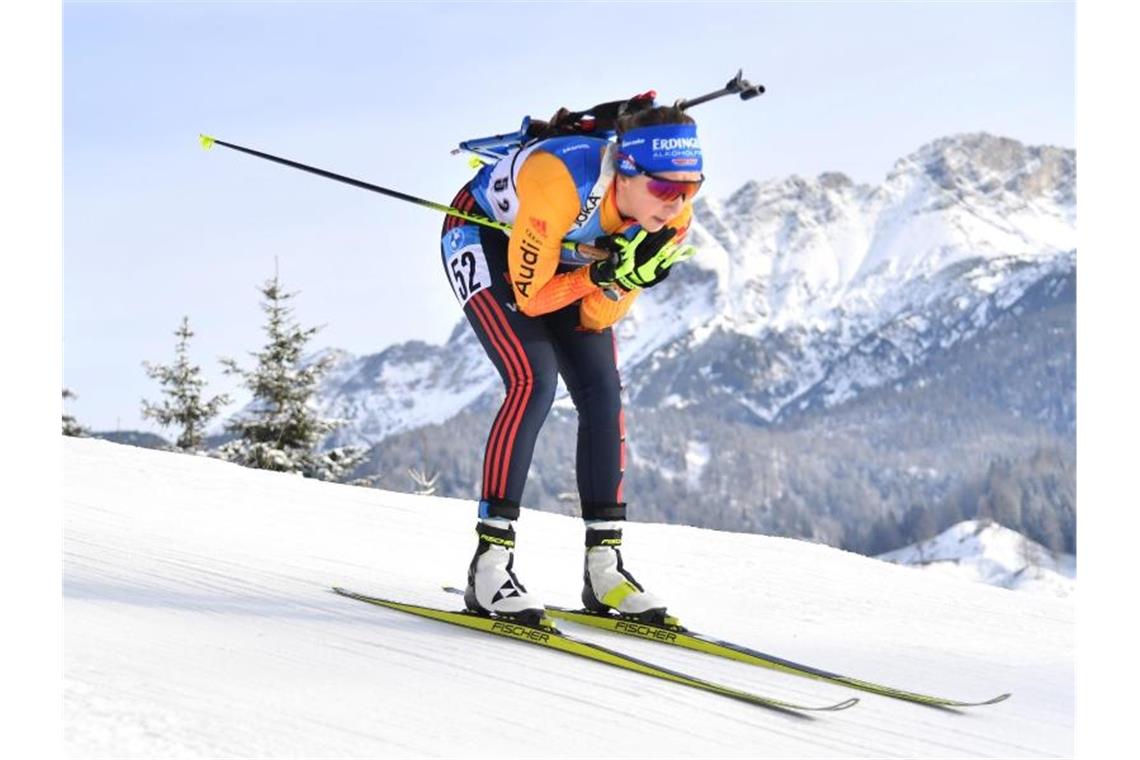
(465,262)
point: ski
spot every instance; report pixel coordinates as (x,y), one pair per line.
(679,636)
(549,637)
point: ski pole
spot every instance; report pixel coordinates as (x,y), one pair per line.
(208,142)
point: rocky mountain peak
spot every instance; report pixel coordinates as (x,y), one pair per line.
(983,164)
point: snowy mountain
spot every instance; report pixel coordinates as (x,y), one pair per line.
(804,293)
(406,386)
(198,622)
(986,552)
(836,357)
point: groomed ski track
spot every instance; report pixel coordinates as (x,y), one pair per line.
(198,622)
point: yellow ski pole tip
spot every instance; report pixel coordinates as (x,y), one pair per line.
(207,141)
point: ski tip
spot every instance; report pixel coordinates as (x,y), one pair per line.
(953,705)
(206,141)
(843,705)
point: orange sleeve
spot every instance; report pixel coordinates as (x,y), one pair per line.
(548,204)
(598,312)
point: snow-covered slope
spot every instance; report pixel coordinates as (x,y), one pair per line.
(198,623)
(986,552)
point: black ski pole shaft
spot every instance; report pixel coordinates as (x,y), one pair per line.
(208,142)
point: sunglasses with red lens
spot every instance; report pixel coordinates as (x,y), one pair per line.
(660,187)
(668,189)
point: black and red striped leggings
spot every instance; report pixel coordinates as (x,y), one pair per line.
(529,354)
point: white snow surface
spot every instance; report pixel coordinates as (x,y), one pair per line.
(986,552)
(199,623)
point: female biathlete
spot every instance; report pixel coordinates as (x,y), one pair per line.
(541,309)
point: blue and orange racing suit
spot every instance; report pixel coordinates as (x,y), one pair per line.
(537,314)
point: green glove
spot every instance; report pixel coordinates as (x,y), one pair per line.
(674,253)
(640,262)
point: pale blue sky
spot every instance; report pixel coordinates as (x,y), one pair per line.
(156,228)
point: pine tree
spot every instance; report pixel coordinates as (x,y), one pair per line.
(281,430)
(70,426)
(424,483)
(183,384)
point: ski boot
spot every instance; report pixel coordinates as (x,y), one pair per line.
(609,586)
(492,587)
